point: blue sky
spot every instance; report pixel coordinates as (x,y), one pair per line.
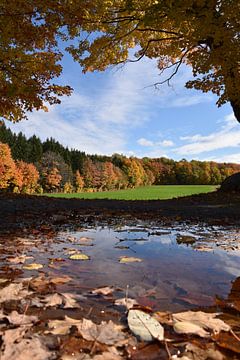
(119,111)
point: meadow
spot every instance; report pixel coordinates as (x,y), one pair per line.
(156,192)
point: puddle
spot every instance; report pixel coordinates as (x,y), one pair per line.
(182,267)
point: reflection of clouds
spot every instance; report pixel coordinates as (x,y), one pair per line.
(229,263)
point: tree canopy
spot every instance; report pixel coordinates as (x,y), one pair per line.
(204,34)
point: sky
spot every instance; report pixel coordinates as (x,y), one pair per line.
(120,111)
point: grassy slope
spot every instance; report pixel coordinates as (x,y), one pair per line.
(143,193)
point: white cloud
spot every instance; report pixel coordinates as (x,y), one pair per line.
(230,158)
(148,143)
(167,143)
(145,142)
(228,136)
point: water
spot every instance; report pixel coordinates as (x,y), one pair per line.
(182,267)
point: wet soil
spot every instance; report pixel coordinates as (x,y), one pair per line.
(212,208)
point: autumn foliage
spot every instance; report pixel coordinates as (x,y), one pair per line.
(35,34)
(29,165)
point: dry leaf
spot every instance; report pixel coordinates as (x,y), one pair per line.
(104,290)
(144,326)
(129,259)
(19,259)
(53,300)
(105,333)
(13,292)
(16,347)
(186,327)
(33,266)
(127,302)
(79,257)
(19,319)
(202,319)
(62,327)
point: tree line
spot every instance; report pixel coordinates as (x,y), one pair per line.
(29,165)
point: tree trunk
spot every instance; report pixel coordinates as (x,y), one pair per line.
(236,109)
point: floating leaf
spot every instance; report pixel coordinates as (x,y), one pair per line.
(33,266)
(127,302)
(145,326)
(107,290)
(129,259)
(79,257)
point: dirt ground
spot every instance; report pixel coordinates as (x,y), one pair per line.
(213,208)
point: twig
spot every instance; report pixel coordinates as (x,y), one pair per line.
(235,335)
(167,350)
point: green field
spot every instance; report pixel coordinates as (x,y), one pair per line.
(143,193)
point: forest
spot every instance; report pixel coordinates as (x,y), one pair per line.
(28,165)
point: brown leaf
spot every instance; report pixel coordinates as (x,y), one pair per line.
(227,341)
(13,292)
(106,333)
(202,319)
(19,319)
(104,290)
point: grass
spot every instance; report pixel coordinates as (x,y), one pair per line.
(156,192)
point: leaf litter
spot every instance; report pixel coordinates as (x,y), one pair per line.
(189,335)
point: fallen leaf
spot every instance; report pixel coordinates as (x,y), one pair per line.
(19,348)
(69,301)
(186,327)
(144,326)
(79,257)
(205,320)
(19,259)
(127,302)
(33,266)
(129,259)
(62,327)
(19,319)
(53,300)
(106,290)
(13,292)
(227,341)
(105,333)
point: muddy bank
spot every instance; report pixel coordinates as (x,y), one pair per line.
(215,208)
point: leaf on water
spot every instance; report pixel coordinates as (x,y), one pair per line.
(85,239)
(129,259)
(18,319)
(204,320)
(106,333)
(79,257)
(62,327)
(163,317)
(53,300)
(186,327)
(60,279)
(13,292)
(127,302)
(107,290)
(145,326)
(19,259)
(69,301)
(33,266)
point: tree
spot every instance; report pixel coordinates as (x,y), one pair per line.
(79,182)
(30,177)
(7,167)
(52,179)
(201,33)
